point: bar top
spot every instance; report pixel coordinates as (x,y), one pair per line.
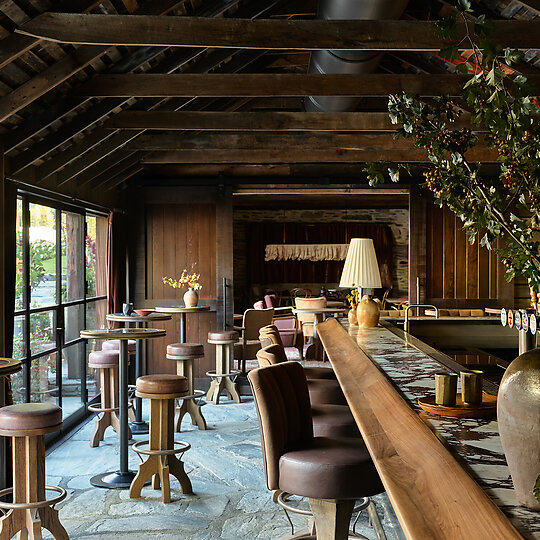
(427,481)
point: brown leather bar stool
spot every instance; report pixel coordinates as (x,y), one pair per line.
(222,377)
(162,391)
(27,424)
(107,413)
(321,390)
(331,472)
(114,345)
(269,335)
(329,419)
(184,354)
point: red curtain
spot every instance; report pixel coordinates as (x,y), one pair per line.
(116,265)
(263,272)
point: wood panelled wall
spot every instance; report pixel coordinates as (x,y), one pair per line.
(459,274)
(190,229)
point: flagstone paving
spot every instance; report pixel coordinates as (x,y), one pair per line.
(230,499)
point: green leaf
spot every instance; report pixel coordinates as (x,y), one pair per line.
(464,5)
(449,53)
(394,174)
(512,56)
(446,28)
(483,26)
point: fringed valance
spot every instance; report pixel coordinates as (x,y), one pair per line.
(306,252)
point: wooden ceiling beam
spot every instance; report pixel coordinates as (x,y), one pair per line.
(386,35)
(56,74)
(299,155)
(270,141)
(273,84)
(259,121)
(15,45)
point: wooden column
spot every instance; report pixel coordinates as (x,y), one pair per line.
(417,244)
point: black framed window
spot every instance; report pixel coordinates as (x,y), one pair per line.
(60,290)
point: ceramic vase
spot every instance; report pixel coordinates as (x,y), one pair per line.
(367,312)
(353,320)
(518,415)
(191,298)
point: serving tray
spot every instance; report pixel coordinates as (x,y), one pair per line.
(488,407)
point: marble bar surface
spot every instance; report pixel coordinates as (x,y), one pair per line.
(475,443)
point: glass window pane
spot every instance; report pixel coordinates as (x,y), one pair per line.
(18,338)
(42,332)
(17,386)
(74,322)
(43,387)
(19,259)
(42,236)
(96,242)
(92,376)
(95,314)
(71,378)
(72,257)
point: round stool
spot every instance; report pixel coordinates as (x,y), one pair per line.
(107,413)
(222,377)
(184,354)
(162,391)
(26,424)
(114,345)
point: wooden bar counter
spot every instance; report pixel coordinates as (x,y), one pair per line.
(431,473)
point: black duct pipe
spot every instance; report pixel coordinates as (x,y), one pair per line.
(348,62)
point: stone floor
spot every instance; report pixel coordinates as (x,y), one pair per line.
(230,499)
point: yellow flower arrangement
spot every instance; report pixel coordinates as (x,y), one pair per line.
(186,279)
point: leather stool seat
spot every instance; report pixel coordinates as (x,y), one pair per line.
(29,416)
(229,335)
(185,349)
(325,391)
(313,372)
(162,384)
(333,421)
(329,468)
(106,358)
(114,345)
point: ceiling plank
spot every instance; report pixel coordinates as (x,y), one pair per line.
(271,141)
(299,155)
(260,121)
(273,84)
(266,33)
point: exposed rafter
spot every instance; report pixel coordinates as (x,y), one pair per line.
(264,34)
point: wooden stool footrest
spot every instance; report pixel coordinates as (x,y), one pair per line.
(36,504)
(197,394)
(183,448)
(97,410)
(231,373)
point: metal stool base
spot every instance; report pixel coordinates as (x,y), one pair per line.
(139,428)
(114,480)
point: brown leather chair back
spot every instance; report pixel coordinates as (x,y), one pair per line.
(270,355)
(282,401)
(269,335)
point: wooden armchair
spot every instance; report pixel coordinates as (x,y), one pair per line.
(249,344)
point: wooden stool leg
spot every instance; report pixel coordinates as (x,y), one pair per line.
(29,486)
(332,517)
(230,386)
(185,368)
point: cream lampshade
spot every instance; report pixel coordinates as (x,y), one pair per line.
(361,270)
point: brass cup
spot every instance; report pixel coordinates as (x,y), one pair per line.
(445,388)
(471,387)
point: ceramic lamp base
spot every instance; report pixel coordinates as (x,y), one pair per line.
(368,312)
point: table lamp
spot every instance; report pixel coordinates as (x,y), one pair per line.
(361,270)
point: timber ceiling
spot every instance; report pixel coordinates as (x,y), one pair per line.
(99,111)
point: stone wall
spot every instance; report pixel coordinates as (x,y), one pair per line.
(396,218)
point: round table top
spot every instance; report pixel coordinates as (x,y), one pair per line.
(181,309)
(321,310)
(9,366)
(120,317)
(123,333)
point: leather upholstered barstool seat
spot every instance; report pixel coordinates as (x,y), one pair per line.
(223,376)
(329,419)
(27,424)
(184,354)
(107,412)
(162,390)
(114,345)
(322,389)
(331,471)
